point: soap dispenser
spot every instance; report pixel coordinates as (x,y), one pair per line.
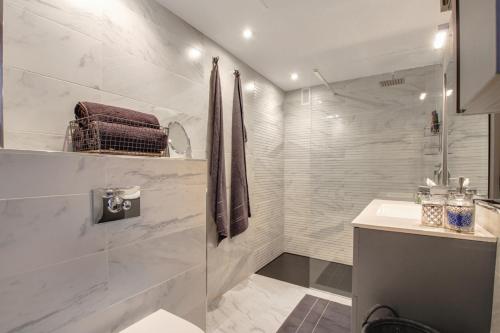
(459,215)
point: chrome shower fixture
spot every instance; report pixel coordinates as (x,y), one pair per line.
(343,95)
(324,81)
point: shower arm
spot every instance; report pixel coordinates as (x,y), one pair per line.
(324,81)
(334,93)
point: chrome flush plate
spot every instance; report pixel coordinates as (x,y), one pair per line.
(113,204)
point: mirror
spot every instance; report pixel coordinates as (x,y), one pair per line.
(178,140)
(467,135)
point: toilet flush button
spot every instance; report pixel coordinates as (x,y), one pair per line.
(114,204)
(162,322)
(127,204)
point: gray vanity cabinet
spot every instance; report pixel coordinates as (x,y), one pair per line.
(443,282)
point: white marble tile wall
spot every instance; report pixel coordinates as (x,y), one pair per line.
(341,153)
(134,53)
(62,273)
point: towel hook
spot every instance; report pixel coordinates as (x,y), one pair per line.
(215,60)
(236,73)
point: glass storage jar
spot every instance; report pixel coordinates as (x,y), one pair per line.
(460,214)
(433,207)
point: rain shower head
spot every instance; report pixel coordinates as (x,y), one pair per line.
(392,82)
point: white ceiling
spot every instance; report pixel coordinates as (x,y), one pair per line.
(344,39)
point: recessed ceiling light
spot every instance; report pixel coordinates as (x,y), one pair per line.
(294,76)
(250,86)
(194,53)
(449,92)
(329,117)
(440,39)
(247,33)
(423,96)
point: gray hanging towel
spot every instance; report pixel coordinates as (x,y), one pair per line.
(240,201)
(216,194)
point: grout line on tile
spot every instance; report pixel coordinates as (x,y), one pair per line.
(322,314)
(100,89)
(44,197)
(63,262)
(30,11)
(151,238)
(307,315)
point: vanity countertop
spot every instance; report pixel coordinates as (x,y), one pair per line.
(404,217)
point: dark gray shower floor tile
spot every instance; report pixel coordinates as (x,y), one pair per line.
(317,315)
(335,321)
(333,277)
(311,273)
(295,319)
(288,267)
(313,317)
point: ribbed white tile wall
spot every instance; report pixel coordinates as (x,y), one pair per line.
(343,152)
(468,149)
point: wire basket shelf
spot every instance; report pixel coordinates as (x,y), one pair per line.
(104,134)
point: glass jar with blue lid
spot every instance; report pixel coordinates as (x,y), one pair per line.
(459,212)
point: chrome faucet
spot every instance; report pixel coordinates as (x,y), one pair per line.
(438,174)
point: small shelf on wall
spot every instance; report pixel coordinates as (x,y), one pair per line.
(432,131)
(432,151)
(431,135)
(432,140)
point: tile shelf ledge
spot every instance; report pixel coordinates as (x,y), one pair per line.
(46,152)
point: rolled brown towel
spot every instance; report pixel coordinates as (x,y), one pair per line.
(108,136)
(113,114)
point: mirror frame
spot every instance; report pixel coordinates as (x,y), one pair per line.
(455,26)
(2,144)
(171,146)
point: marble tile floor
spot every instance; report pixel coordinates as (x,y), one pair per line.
(260,304)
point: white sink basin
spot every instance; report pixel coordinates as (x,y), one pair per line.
(404,217)
(402,211)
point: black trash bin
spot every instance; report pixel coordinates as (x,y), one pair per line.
(393,324)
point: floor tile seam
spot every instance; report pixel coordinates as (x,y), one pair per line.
(307,315)
(320,317)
